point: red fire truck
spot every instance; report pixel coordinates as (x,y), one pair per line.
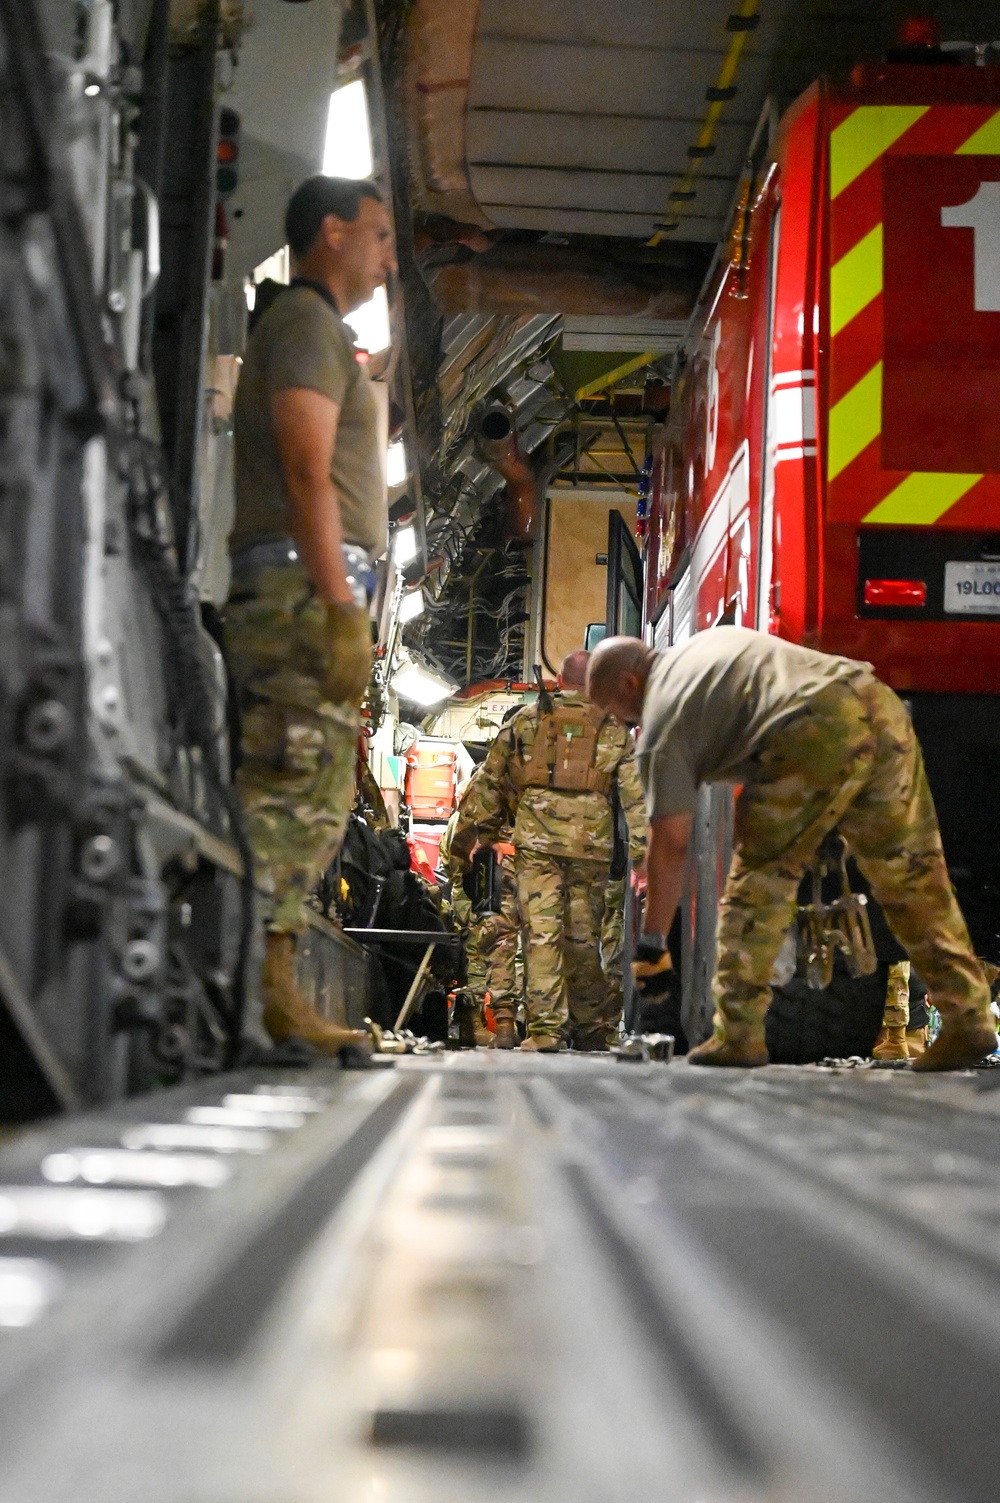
(831,466)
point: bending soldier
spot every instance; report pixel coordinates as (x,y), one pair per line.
(818,744)
(551,772)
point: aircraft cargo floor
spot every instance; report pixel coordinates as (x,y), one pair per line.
(482,1277)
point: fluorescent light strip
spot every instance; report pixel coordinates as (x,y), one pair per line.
(79,1214)
(421,686)
(347,151)
(405,547)
(370,323)
(396,467)
(127,1166)
(27,1287)
(227,1116)
(174,1136)
(411,606)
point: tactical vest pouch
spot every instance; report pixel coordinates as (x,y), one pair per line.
(565,750)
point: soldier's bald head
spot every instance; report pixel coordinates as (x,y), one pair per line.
(573,673)
(617,674)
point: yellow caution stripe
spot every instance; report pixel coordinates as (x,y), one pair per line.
(854,421)
(855,280)
(861,139)
(985,142)
(921,498)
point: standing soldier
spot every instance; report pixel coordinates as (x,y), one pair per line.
(573,676)
(818,744)
(491,939)
(554,770)
(310,515)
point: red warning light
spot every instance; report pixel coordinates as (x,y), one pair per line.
(896,593)
(919,31)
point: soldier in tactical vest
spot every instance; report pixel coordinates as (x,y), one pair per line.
(555,773)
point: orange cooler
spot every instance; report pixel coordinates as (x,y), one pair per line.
(430,778)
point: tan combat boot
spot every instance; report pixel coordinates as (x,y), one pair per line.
(964,1041)
(891,1043)
(287,1014)
(543,1043)
(917,1040)
(506,1028)
(739,1046)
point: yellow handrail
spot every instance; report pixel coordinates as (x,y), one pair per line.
(747,11)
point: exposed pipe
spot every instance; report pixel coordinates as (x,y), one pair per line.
(498,441)
(471,637)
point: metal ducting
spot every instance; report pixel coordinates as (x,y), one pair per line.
(498,440)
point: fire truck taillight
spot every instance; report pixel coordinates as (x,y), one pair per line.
(919,31)
(896,593)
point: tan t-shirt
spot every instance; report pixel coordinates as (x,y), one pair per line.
(301,341)
(711,701)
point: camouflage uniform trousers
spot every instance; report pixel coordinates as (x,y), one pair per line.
(491,949)
(496,936)
(849,761)
(476,969)
(296,779)
(562,909)
(613,958)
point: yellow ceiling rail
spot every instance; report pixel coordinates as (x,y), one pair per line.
(609,378)
(741,23)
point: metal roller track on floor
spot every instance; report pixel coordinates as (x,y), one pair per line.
(498,1278)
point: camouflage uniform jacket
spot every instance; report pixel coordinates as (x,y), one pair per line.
(463,828)
(555,821)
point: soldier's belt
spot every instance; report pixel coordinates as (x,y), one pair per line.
(283,554)
(276,555)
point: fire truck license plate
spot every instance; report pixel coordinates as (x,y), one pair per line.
(972,588)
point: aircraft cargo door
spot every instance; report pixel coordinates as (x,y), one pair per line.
(625,587)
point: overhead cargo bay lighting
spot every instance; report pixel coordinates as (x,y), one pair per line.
(405,548)
(411,606)
(420,684)
(348,148)
(347,152)
(396,467)
(370,323)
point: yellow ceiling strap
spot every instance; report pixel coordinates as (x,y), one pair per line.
(749,10)
(608,379)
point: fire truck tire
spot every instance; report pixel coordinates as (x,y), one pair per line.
(804,1026)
